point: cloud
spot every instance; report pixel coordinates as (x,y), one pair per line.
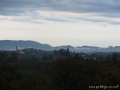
(79,6)
(108,9)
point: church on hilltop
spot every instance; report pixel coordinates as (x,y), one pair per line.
(19,51)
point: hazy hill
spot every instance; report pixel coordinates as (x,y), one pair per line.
(10,45)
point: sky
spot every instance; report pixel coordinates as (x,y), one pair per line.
(61,22)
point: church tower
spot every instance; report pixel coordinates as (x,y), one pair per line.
(16,49)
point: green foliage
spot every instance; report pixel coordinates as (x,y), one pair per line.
(62,52)
(14,57)
(77,56)
(3,55)
(116,59)
(108,57)
(62,74)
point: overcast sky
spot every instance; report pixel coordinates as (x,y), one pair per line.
(61,22)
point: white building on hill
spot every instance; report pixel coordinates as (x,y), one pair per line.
(19,51)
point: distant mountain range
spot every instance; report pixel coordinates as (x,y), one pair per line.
(21,44)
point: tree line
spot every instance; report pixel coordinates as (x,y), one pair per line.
(69,73)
